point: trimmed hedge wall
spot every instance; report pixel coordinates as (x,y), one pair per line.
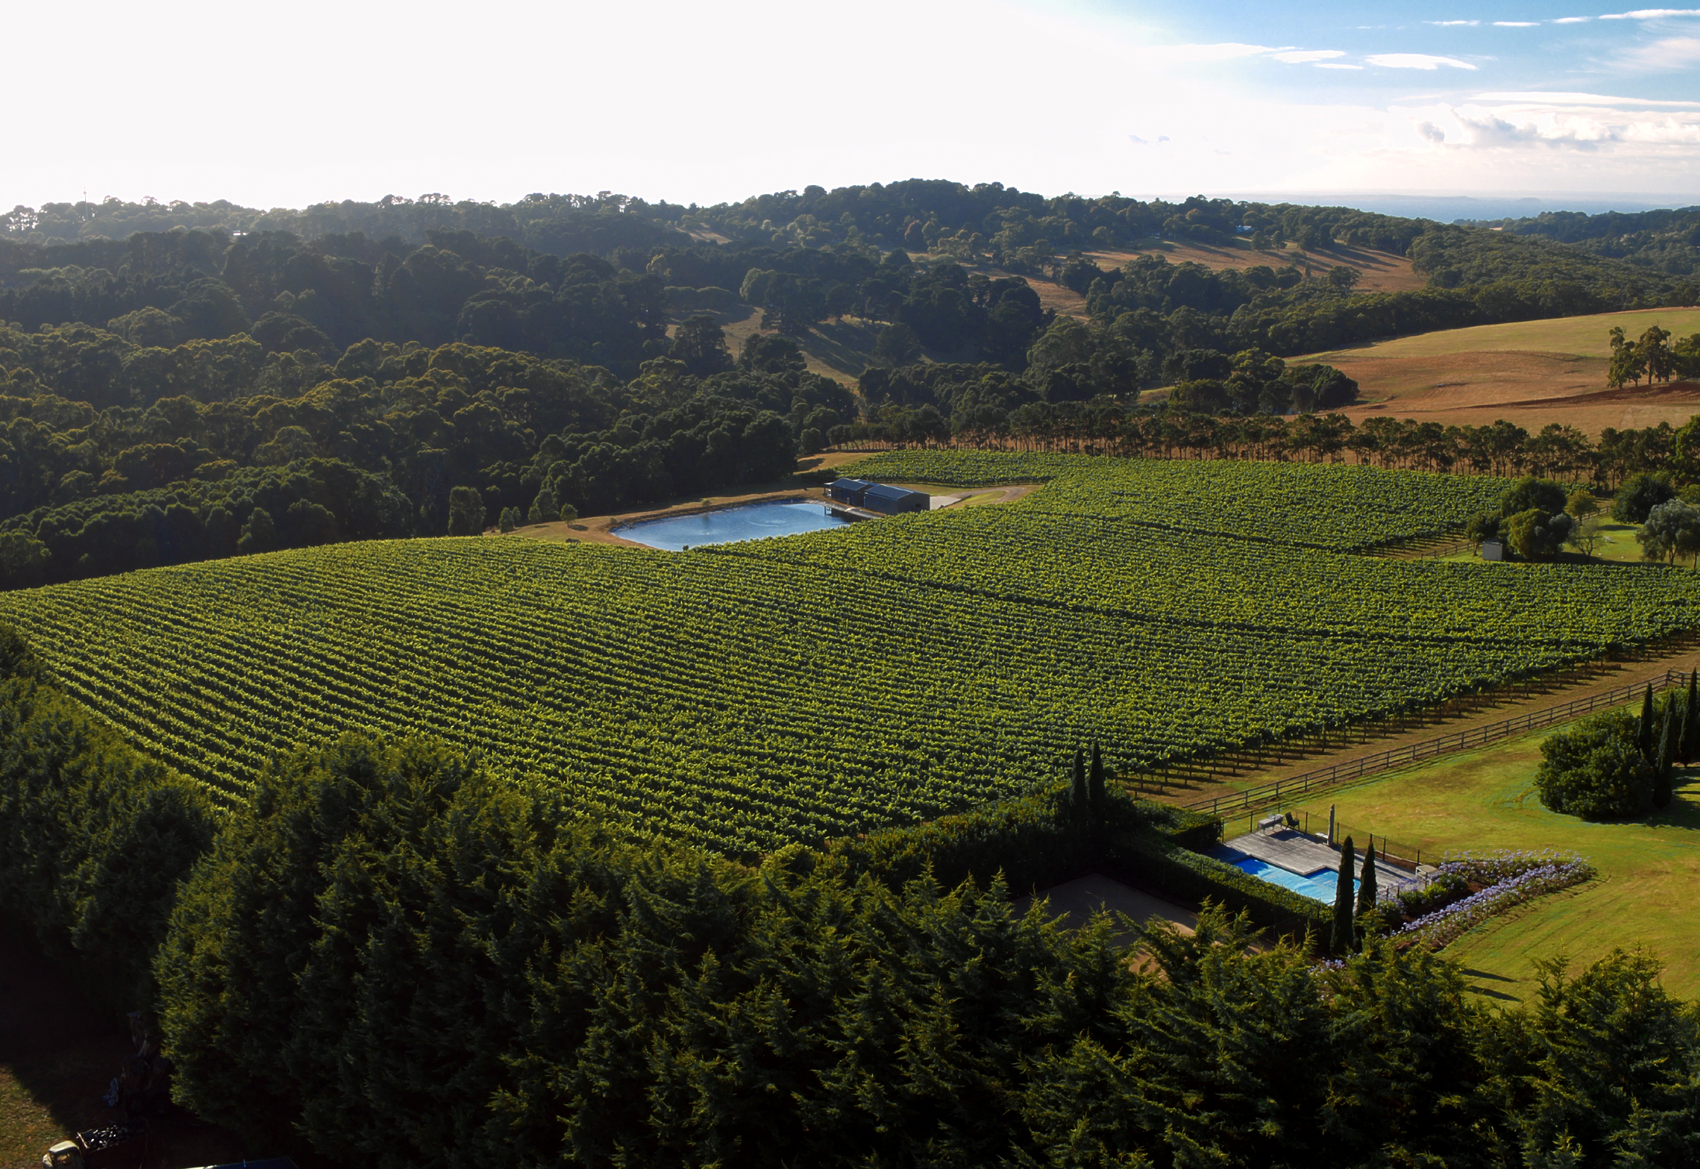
(1168,868)
(1035,840)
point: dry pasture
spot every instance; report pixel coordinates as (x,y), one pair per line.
(1530,373)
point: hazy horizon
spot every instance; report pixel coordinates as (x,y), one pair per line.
(1567,103)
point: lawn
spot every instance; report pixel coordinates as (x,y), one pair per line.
(1486,800)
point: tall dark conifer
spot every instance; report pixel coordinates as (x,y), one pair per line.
(1686,745)
(1366,880)
(1667,752)
(1078,796)
(1095,784)
(1644,732)
(1343,940)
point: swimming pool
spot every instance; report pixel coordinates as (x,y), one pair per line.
(753,521)
(1320,885)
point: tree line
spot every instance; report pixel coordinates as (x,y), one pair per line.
(217,448)
(386,953)
(1664,240)
(983,408)
(552,275)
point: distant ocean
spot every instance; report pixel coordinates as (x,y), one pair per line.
(1449,208)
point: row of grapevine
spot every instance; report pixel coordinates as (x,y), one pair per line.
(1305,504)
(818,685)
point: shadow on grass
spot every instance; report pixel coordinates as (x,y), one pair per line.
(1488,991)
(1684,814)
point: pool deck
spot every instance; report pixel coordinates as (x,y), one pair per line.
(1290,849)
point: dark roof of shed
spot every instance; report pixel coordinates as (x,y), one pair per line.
(885,491)
(851,484)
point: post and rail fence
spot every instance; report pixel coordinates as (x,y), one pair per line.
(1268,793)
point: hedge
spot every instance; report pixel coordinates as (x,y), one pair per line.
(1035,840)
(94,838)
(1165,867)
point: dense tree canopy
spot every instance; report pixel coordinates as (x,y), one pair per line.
(180,381)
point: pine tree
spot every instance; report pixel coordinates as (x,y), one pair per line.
(1366,882)
(1079,797)
(1095,784)
(1342,941)
(1644,732)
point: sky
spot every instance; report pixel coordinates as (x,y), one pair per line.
(276,106)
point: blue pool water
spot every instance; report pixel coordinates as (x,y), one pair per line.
(1319,885)
(754,521)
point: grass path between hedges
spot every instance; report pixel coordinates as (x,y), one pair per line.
(1647,894)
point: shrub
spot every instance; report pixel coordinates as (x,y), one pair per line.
(1538,535)
(1640,494)
(1596,770)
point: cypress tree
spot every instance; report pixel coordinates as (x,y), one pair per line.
(1644,732)
(1686,746)
(1078,797)
(1662,765)
(1095,784)
(1366,882)
(1342,941)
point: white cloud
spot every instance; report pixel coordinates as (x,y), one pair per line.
(1189,54)
(1670,53)
(1336,65)
(1573,20)
(1581,99)
(1475,127)
(1452,23)
(1415,61)
(1516,24)
(1651,14)
(1301,56)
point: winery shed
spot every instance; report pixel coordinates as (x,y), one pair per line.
(893,500)
(848,490)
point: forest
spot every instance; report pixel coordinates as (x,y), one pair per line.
(1666,240)
(181,382)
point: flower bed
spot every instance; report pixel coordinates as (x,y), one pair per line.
(1496,882)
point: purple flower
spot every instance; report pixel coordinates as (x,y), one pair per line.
(1511,878)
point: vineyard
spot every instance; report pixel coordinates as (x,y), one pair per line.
(826,684)
(1311,505)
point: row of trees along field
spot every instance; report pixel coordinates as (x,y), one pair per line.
(973,408)
(388,955)
(1656,355)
